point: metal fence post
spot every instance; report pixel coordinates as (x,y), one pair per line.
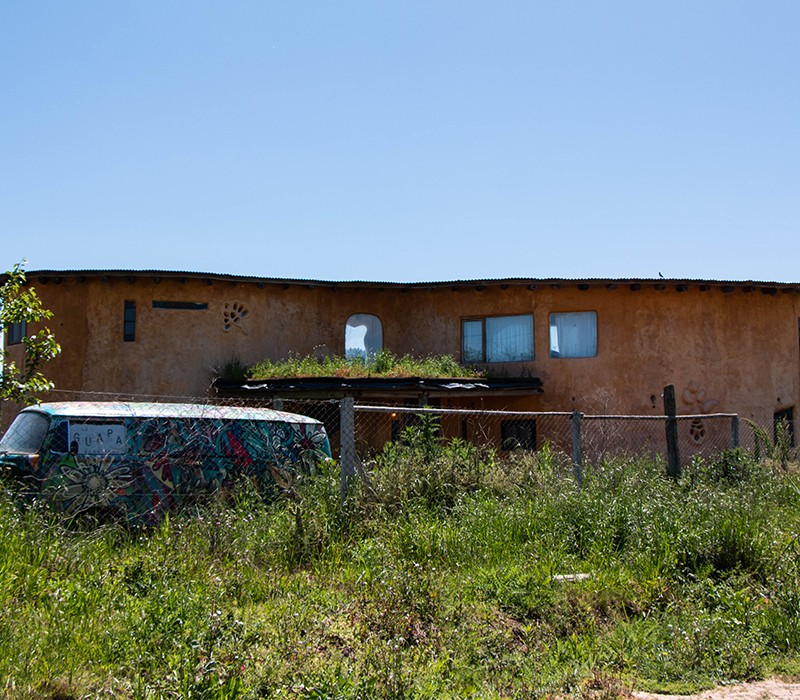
(673,457)
(735,431)
(577,451)
(347,445)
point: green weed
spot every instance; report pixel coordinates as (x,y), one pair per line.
(459,574)
(383,364)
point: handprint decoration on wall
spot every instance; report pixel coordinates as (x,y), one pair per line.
(233,313)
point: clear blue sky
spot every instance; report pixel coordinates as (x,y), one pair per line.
(403,141)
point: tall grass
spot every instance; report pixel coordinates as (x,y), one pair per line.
(445,579)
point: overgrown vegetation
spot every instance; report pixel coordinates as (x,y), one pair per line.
(383,364)
(19,305)
(444,579)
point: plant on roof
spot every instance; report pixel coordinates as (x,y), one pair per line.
(383,364)
(19,306)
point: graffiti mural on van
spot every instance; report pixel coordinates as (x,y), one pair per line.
(140,460)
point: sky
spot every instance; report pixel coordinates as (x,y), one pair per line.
(403,141)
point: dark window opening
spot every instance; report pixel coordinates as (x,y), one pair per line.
(59,440)
(15,332)
(191,305)
(518,434)
(129,331)
(785,417)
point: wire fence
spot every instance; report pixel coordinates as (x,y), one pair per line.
(600,436)
(102,454)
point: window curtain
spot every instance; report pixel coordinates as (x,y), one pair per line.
(573,334)
(509,338)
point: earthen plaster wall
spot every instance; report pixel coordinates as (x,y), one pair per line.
(740,349)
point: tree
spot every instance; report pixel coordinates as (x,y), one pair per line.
(20,305)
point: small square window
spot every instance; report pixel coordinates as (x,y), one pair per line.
(573,334)
(15,332)
(518,434)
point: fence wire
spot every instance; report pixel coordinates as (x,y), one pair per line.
(599,437)
(186,450)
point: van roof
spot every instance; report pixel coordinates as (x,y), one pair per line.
(128,409)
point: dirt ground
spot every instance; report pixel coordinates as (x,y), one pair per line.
(763,690)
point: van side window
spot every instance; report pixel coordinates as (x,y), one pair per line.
(97,438)
(59,438)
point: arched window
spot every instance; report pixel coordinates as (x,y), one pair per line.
(363,337)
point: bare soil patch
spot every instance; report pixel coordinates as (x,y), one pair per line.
(773,689)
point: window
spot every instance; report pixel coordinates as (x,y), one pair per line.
(15,332)
(129,330)
(26,433)
(190,305)
(518,434)
(92,438)
(497,339)
(363,336)
(573,334)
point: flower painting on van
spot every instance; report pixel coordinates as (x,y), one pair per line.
(91,481)
(165,456)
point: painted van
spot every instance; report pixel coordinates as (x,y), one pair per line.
(136,461)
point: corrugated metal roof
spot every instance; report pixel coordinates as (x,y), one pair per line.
(177,274)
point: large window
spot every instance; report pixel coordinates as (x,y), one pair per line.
(573,334)
(363,336)
(497,339)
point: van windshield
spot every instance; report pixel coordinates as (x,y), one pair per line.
(26,433)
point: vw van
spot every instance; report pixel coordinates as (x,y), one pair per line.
(136,461)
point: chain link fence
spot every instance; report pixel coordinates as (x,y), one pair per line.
(584,437)
(188,454)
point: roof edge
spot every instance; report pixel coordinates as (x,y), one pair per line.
(45,276)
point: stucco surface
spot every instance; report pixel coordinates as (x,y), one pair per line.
(739,348)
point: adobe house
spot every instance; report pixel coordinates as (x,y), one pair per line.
(549,344)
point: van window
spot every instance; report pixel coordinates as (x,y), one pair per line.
(26,433)
(97,438)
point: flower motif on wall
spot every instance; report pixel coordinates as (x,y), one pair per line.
(233,313)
